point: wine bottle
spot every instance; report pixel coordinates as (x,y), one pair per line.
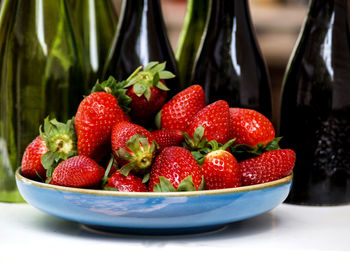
(141,37)
(40,74)
(190,38)
(315,107)
(229,65)
(95,23)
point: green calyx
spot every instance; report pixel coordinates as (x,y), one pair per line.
(186,184)
(242,151)
(138,153)
(104,180)
(61,142)
(197,142)
(211,146)
(150,76)
(117,89)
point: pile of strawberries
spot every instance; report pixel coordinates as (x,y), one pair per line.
(113,142)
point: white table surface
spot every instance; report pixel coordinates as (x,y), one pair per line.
(286,233)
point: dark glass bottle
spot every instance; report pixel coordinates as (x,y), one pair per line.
(40,74)
(141,37)
(190,38)
(229,65)
(315,109)
(95,23)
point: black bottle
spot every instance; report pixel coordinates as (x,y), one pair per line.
(141,37)
(315,109)
(229,65)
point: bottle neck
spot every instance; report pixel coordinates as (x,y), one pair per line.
(323,10)
(134,9)
(224,14)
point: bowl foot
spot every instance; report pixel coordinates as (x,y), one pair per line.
(205,230)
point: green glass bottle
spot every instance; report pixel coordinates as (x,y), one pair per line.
(190,38)
(41,74)
(95,22)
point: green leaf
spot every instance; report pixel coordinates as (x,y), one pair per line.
(147,93)
(161,86)
(109,188)
(139,89)
(202,185)
(134,143)
(49,173)
(146,177)
(158,67)
(156,79)
(227,144)
(126,169)
(48,159)
(186,184)
(166,75)
(158,120)
(124,154)
(104,180)
(198,134)
(273,145)
(150,65)
(197,155)
(164,185)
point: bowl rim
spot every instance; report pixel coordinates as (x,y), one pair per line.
(240,189)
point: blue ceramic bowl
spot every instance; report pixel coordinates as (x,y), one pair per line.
(154,213)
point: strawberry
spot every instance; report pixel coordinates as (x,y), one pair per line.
(175,169)
(31,161)
(133,147)
(130,183)
(96,115)
(250,127)
(147,91)
(166,138)
(177,113)
(269,166)
(210,123)
(56,142)
(78,171)
(221,170)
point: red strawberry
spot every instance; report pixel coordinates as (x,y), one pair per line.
(133,147)
(56,142)
(144,108)
(221,170)
(96,115)
(250,127)
(180,110)
(147,91)
(78,171)
(215,119)
(166,138)
(175,169)
(123,183)
(31,161)
(269,166)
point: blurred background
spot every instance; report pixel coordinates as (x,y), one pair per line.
(277,24)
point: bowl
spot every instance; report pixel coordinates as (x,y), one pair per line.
(174,213)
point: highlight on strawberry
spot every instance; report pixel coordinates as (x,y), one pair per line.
(128,136)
